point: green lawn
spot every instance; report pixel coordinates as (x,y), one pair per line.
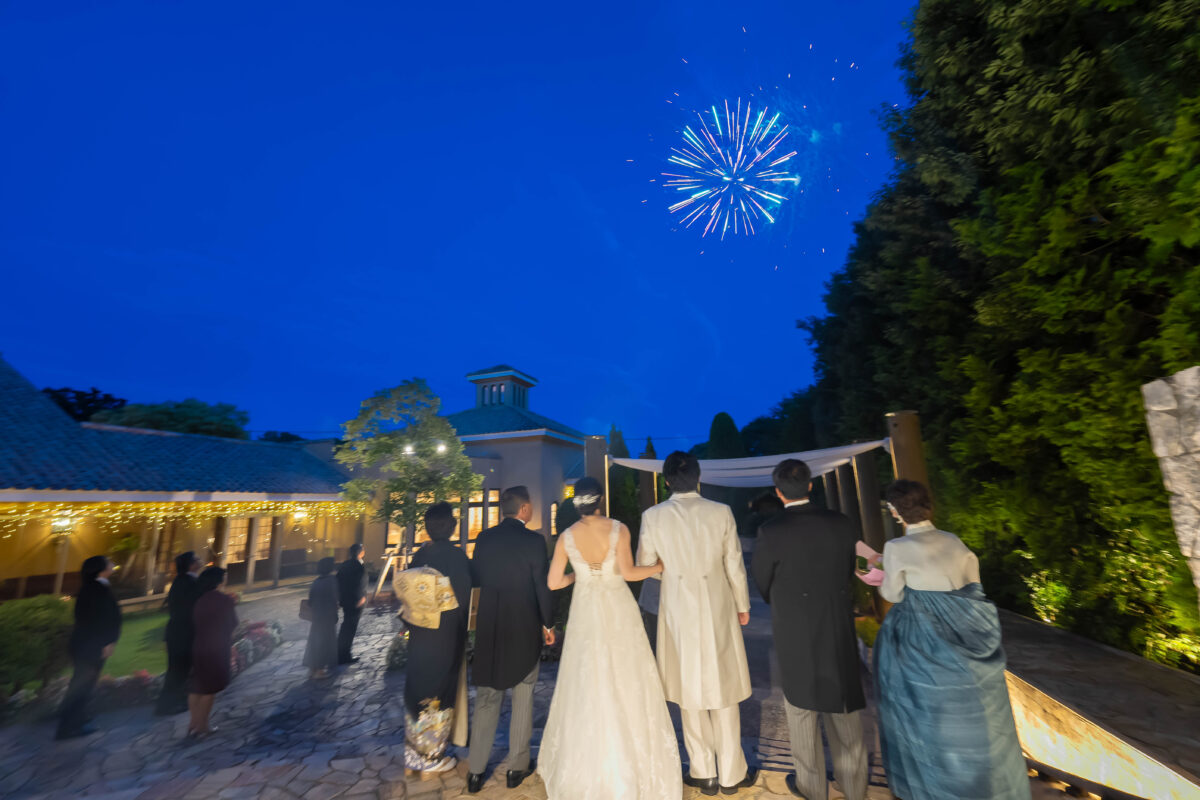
(140,646)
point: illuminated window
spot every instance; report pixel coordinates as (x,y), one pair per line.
(395,535)
(262,547)
(236,532)
(554,517)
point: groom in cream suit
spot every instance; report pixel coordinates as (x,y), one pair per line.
(705,600)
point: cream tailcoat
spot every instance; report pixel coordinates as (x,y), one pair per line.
(701,655)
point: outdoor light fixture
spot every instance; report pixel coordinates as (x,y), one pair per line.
(62,524)
(408,449)
(441,448)
(301,515)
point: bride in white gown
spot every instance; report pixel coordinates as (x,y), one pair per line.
(609,734)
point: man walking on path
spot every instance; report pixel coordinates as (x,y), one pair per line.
(515,616)
(804,567)
(352,596)
(704,601)
(97,628)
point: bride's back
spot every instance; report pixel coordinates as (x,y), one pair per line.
(593,539)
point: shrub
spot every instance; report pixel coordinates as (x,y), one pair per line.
(867,629)
(33,640)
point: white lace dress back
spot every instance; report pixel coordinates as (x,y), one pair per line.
(609,734)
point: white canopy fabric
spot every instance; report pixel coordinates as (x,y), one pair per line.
(756,472)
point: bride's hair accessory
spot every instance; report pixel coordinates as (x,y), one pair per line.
(587,499)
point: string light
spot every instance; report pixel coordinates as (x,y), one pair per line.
(115,517)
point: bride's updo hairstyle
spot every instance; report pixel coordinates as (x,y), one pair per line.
(589,496)
(911,501)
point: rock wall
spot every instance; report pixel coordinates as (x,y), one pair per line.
(1173,416)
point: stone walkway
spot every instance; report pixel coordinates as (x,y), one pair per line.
(282,737)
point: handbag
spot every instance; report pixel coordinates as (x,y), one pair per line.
(305,610)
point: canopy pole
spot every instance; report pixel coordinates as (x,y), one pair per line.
(866,478)
(908,451)
(848,496)
(596,463)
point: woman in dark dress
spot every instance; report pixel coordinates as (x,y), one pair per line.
(215,621)
(321,653)
(435,654)
(181,606)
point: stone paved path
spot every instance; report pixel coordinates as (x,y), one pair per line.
(282,737)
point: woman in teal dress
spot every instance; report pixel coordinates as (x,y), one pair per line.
(946,725)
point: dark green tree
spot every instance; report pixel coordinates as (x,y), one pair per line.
(280,437)
(622,486)
(81,405)
(182,416)
(1033,261)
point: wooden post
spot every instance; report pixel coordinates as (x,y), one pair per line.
(276,549)
(63,548)
(595,463)
(220,542)
(848,496)
(908,451)
(464,522)
(152,557)
(251,550)
(831,490)
(866,478)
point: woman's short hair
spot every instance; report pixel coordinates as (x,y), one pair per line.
(588,489)
(210,578)
(440,522)
(183,562)
(911,500)
(681,471)
(326,565)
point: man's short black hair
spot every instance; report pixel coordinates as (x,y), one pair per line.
(792,478)
(440,522)
(355,549)
(512,499)
(184,561)
(681,471)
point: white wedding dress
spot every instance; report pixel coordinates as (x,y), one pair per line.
(609,734)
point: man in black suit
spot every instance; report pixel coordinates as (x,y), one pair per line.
(515,617)
(97,628)
(804,566)
(181,601)
(352,595)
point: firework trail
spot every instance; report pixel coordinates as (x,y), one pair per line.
(735,176)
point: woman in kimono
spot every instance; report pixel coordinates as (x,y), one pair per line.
(321,653)
(946,725)
(435,654)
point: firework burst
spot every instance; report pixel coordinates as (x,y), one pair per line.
(734,176)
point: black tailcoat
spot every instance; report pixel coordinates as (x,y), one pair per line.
(352,582)
(804,567)
(509,567)
(97,621)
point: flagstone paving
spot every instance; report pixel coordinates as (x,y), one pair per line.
(283,737)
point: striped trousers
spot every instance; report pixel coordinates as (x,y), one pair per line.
(487,717)
(846,746)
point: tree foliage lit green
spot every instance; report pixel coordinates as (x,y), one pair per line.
(404,456)
(1033,261)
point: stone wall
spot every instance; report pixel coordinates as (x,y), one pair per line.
(1173,415)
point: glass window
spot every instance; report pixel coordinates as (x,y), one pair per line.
(236,532)
(395,535)
(262,547)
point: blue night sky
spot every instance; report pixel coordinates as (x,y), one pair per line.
(287,206)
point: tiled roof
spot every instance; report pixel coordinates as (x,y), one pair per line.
(504,419)
(41,447)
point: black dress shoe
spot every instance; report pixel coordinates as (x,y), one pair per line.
(751,777)
(791,784)
(474,782)
(516,776)
(351,660)
(707,786)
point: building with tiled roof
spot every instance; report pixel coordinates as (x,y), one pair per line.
(69,490)
(511,445)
